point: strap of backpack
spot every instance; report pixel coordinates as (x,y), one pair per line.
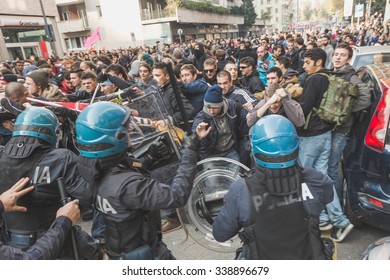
(307,120)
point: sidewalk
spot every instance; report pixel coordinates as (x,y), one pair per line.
(182,249)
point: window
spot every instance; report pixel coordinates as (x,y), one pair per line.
(276,19)
(268,2)
(276,10)
(262,2)
(65,16)
(75,43)
(99,11)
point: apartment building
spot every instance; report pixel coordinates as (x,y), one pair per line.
(280,14)
(22,29)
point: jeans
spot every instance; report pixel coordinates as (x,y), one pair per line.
(334,213)
(314,151)
(339,141)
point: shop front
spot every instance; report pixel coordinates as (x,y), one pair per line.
(25,38)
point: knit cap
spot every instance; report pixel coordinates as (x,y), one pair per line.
(40,77)
(9,78)
(213,97)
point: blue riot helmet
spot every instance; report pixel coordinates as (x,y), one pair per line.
(274,142)
(101,130)
(37,122)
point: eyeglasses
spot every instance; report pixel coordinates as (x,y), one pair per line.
(243,67)
(209,70)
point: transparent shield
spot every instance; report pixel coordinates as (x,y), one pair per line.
(212,182)
(147,127)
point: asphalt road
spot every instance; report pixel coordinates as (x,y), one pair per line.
(351,248)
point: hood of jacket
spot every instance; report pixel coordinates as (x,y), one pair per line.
(199,53)
(224,110)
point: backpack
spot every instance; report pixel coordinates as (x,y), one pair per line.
(336,103)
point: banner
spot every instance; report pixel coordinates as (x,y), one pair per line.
(348,5)
(91,40)
(359,10)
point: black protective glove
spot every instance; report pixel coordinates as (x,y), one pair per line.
(63,112)
(158,151)
(101,77)
(127,93)
(190,141)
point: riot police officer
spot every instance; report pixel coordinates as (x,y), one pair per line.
(50,244)
(31,153)
(279,203)
(129,201)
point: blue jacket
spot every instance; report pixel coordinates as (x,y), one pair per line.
(237,121)
(195,93)
(263,66)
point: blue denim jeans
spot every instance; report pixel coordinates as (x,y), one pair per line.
(314,151)
(334,213)
(339,141)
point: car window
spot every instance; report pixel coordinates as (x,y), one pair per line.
(366,59)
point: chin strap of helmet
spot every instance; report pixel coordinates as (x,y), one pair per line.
(282,181)
(23,146)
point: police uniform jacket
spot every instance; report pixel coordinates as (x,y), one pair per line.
(47,247)
(43,167)
(237,214)
(128,200)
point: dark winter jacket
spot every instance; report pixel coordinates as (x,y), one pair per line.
(237,122)
(252,82)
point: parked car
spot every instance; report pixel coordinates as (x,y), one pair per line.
(368,55)
(366,158)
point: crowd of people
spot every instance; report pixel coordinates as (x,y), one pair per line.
(246,99)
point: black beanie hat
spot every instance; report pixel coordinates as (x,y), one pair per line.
(40,77)
(9,78)
(213,97)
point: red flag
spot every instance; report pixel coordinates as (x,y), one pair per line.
(91,40)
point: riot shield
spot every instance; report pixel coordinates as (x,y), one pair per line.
(145,131)
(212,182)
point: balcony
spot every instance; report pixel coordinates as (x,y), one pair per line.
(75,25)
(189,16)
(68,2)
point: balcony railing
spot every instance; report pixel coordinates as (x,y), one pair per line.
(147,15)
(74,25)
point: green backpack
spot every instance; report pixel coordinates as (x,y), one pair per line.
(336,103)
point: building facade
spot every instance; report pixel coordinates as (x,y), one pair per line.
(280,14)
(22,29)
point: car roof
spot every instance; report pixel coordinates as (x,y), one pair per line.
(371,49)
(381,70)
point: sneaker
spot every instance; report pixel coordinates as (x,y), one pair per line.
(326,225)
(170,225)
(340,233)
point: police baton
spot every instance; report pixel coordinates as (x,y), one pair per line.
(175,87)
(64,198)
